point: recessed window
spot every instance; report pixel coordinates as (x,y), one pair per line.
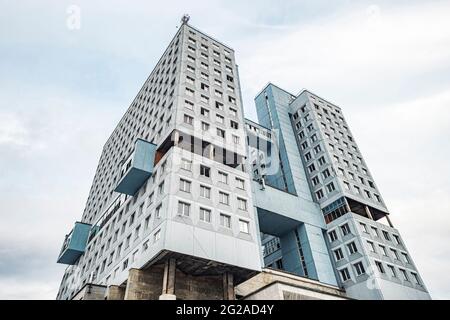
(204,112)
(315,180)
(242,204)
(221,133)
(380,267)
(224,198)
(223,177)
(205,215)
(220,118)
(205,126)
(345,275)
(234,124)
(392,272)
(326,173)
(332,235)
(359,268)
(416,278)
(404,274)
(240,183)
(345,229)
(184,208)
(338,254)
(225,220)
(371,246)
(383,250)
(205,192)
(352,248)
(330,187)
(386,235)
(319,194)
(243,226)
(185,185)
(188,119)
(363,227)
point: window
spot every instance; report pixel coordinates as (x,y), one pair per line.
(346,185)
(386,235)
(161,188)
(383,250)
(189,104)
(236,139)
(345,275)
(223,177)
(205,126)
(185,185)
(352,248)
(392,271)
(242,204)
(375,232)
(220,118)
(205,215)
(338,254)
(204,87)
(359,268)
(186,164)
(315,180)
(397,239)
(416,278)
(157,236)
(319,194)
(345,229)
(311,168)
(205,192)
(395,253)
(363,227)
(234,124)
(325,173)
(330,187)
(188,119)
(204,112)
(158,211)
(406,258)
(184,208)
(221,133)
(225,220)
(224,198)
(332,235)
(233,112)
(240,183)
(380,267)
(205,171)
(371,246)
(322,161)
(243,226)
(219,105)
(404,274)
(308,156)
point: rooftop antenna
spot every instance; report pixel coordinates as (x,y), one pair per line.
(185,18)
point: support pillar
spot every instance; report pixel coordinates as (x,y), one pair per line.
(168,289)
(389,221)
(228,286)
(115,293)
(144,284)
(369,214)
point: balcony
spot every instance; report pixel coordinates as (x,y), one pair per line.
(137,168)
(74,244)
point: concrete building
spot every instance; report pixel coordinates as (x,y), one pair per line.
(170,212)
(192,201)
(338,202)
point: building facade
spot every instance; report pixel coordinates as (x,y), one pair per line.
(192,201)
(189,213)
(367,254)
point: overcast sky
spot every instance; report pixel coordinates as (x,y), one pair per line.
(62,91)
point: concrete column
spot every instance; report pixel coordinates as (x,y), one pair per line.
(115,293)
(168,289)
(369,214)
(228,286)
(389,221)
(144,284)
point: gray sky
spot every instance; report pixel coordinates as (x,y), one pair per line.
(62,92)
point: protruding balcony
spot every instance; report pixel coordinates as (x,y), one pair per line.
(74,243)
(137,168)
